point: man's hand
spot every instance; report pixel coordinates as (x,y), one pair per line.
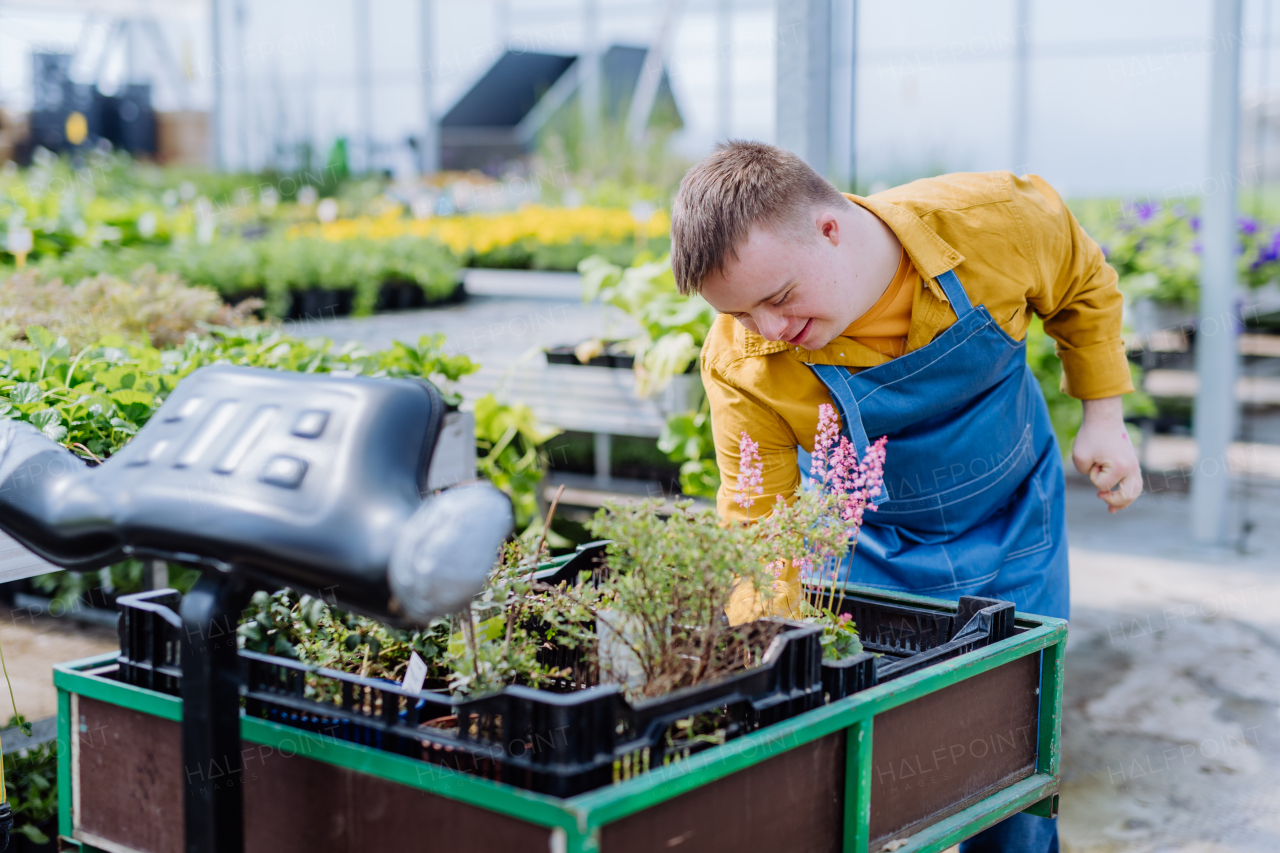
(1103,452)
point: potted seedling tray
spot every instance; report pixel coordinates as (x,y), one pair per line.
(560,742)
(614,355)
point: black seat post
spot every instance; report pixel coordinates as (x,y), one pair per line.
(211,748)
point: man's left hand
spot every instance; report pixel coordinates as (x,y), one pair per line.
(1102,452)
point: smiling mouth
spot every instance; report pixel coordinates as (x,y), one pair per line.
(796,340)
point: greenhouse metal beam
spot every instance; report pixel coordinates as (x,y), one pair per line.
(1216,358)
(219,95)
(724,70)
(803,116)
(1022,87)
(426,46)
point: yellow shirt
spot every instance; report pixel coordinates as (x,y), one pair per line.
(885,326)
(1016,249)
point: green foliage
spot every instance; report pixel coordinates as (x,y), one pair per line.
(1156,250)
(121,578)
(673,326)
(840,638)
(564,256)
(95,400)
(509,443)
(31,786)
(276,266)
(1065,411)
(688,439)
(150,307)
(309,630)
(669,582)
(489,652)
(110,201)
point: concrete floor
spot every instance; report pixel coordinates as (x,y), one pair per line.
(1170,731)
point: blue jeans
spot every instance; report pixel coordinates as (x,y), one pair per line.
(1021,833)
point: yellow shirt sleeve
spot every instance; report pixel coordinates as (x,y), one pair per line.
(1076,293)
(736,411)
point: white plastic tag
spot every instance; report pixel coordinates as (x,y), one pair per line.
(415,675)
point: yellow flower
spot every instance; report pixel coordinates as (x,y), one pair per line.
(481,232)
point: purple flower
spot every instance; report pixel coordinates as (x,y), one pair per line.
(1145,210)
(1247,225)
(1195,223)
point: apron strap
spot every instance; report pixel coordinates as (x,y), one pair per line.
(836,379)
(955,293)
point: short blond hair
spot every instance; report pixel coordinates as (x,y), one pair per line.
(740,185)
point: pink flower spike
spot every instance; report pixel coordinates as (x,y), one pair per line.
(750,472)
(846,617)
(823,441)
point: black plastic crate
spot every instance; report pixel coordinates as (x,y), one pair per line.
(150,637)
(899,639)
(551,742)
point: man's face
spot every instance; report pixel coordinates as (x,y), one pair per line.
(790,285)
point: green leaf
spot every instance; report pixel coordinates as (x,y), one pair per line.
(489,629)
(26,392)
(128,396)
(33,834)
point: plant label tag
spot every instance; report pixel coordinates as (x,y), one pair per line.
(415,675)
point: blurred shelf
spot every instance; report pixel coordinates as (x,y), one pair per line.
(1165,453)
(1259,390)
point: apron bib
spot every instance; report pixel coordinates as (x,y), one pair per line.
(973,484)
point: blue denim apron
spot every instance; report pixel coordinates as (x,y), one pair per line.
(973,498)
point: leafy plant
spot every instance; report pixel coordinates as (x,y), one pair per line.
(308,629)
(489,652)
(509,441)
(31,786)
(669,581)
(1156,250)
(673,326)
(276,266)
(687,438)
(150,308)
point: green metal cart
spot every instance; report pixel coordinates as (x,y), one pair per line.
(914,766)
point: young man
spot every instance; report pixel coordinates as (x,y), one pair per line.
(908,310)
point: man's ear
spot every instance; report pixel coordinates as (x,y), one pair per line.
(829,227)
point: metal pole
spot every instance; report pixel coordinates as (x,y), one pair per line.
(242,96)
(589,85)
(724,69)
(219,98)
(853,97)
(364,68)
(1216,358)
(803,111)
(430,139)
(1021,86)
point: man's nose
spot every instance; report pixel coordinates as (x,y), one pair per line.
(770,325)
